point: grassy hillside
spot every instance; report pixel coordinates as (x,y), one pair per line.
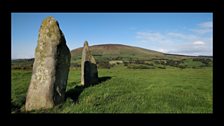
(123,90)
(132,80)
(117,51)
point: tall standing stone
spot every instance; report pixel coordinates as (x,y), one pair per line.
(50,68)
(89,73)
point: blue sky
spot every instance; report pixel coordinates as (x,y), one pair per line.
(178,33)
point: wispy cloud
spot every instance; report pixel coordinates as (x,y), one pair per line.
(207,24)
(178,42)
(152,37)
(204,27)
(192,49)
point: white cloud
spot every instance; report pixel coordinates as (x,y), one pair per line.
(198,43)
(177,43)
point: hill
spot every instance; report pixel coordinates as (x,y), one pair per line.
(125,52)
(106,54)
(118,51)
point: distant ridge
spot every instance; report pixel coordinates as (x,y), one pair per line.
(125,52)
(202,56)
(122,52)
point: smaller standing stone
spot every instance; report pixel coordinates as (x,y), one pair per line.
(89,73)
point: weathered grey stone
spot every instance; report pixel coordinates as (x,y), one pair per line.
(89,73)
(50,69)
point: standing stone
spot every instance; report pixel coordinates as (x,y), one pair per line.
(50,68)
(89,73)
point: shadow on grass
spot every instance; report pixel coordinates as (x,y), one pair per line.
(16,106)
(74,93)
(77,90)
(102,79)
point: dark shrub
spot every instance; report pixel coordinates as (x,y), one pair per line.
(137,66)
(104,65)
(162,67)
(182,66)
(205,61)
(126,63)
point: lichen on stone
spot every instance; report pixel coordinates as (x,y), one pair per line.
(50,69)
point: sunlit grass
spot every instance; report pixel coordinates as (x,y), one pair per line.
(170,90)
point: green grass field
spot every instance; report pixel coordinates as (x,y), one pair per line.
(122,90)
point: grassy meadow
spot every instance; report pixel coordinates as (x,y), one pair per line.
(123,90)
